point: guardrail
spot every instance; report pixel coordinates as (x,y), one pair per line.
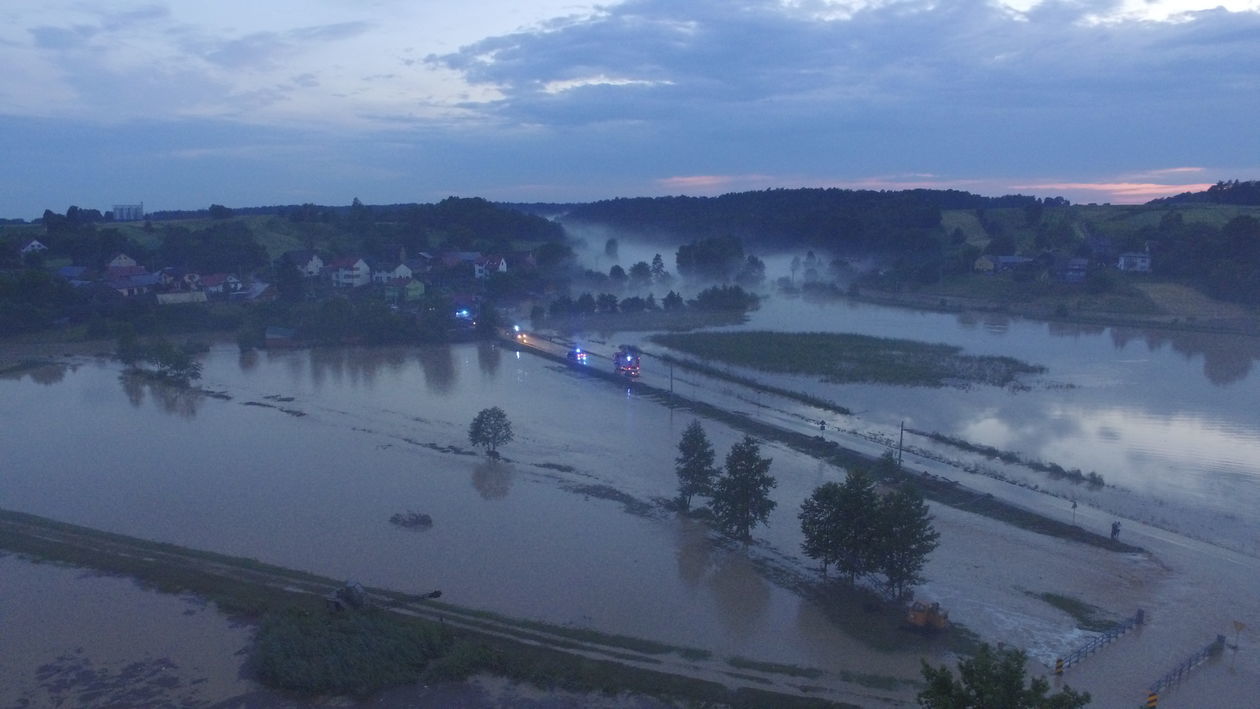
(1178,673)
(1098,642)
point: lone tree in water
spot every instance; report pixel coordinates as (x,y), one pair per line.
(490,429)
(694,465)
(993,678)
(741,497)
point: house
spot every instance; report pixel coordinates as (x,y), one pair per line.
(349,272)
(116,272)
(1135,262)
(421,263)
(404,290)
(33,246)
(484,267)
(139,284)
(177,297)
(985,264)
(450,259)
(1010,263)
(121,260)
(221,284)
(1074,270)
(306,261)
(179,279)
(385,273)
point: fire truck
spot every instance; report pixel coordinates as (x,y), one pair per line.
(626,361)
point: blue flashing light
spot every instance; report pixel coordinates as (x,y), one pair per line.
(516,328)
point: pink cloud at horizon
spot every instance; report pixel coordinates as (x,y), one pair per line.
(1117,192)
(711,181)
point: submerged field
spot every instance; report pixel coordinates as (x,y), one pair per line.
(848,358)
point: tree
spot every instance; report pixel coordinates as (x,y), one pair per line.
(906,537)
(741,497)
(841,522)
(610,248)
(490,429)
(606,303)
(993,679)
(658,268)
(694,465)
(818,517)
(672,301)
(617,275)
(218,211)
(640,275)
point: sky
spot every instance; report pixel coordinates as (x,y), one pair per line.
(185,103)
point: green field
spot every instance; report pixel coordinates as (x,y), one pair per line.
(848,358)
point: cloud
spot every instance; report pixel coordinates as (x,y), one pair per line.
(1121,192)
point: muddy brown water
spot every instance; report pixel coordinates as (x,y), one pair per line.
(308,453)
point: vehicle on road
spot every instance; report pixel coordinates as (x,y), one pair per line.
(626,361)
(578,356)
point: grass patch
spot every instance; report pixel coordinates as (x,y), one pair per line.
(850,358)
(345,653)
(1086,615)
(631,504)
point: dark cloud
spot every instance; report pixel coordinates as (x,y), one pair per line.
(61,38)
(265,50)
(330,33)
(938,84)
(120,20)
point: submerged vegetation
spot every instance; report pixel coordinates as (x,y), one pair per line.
(1054,470)
(1086,615)
(850,358)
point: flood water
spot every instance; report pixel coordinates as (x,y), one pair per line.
(1169,415)
(249,477)
(311,451)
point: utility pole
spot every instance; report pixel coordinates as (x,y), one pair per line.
(901,442)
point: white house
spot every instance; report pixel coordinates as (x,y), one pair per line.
(32,246)
(389,272)
(483,267)
(306,261)
(349,272)
(1135,261)
(121,260)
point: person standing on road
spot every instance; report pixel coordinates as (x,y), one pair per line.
(1115,530)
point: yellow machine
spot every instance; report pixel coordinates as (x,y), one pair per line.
(929,616)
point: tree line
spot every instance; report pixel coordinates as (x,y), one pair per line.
(850,525)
